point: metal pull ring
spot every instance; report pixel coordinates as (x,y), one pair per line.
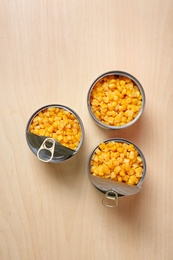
(111,199)
(46,150)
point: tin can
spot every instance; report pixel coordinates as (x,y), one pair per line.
(112,189)
(46,148)
(122,124)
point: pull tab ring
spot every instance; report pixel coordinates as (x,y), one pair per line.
(111,199)
(46,150)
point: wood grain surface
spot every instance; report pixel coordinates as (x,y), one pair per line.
(50,52)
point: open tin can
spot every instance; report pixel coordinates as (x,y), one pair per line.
(54,133)
(102,169)
(116,100)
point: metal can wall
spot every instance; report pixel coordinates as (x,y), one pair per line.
(111,188)
(47,148)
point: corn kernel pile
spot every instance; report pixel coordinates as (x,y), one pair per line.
(59,124)
(115,100)
(117,161)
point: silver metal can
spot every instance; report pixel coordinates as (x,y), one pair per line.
(113,189)
(122,125)
(46,148)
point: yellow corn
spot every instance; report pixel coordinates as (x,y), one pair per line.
(117,161)
(59,124)
(117,94)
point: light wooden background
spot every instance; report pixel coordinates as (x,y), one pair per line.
(50,52)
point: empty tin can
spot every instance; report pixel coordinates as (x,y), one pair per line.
(116,100)
(54,133)
(116,167)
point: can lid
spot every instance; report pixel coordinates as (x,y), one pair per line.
(119,187)
(56,151)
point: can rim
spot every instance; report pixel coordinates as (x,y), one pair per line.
(122,73)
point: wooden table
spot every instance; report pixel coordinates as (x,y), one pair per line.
(51,52)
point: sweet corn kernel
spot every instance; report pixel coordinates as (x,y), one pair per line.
(117,169)
(120,179)
(117,94)
(113,175)
(115,161)
(59,124)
